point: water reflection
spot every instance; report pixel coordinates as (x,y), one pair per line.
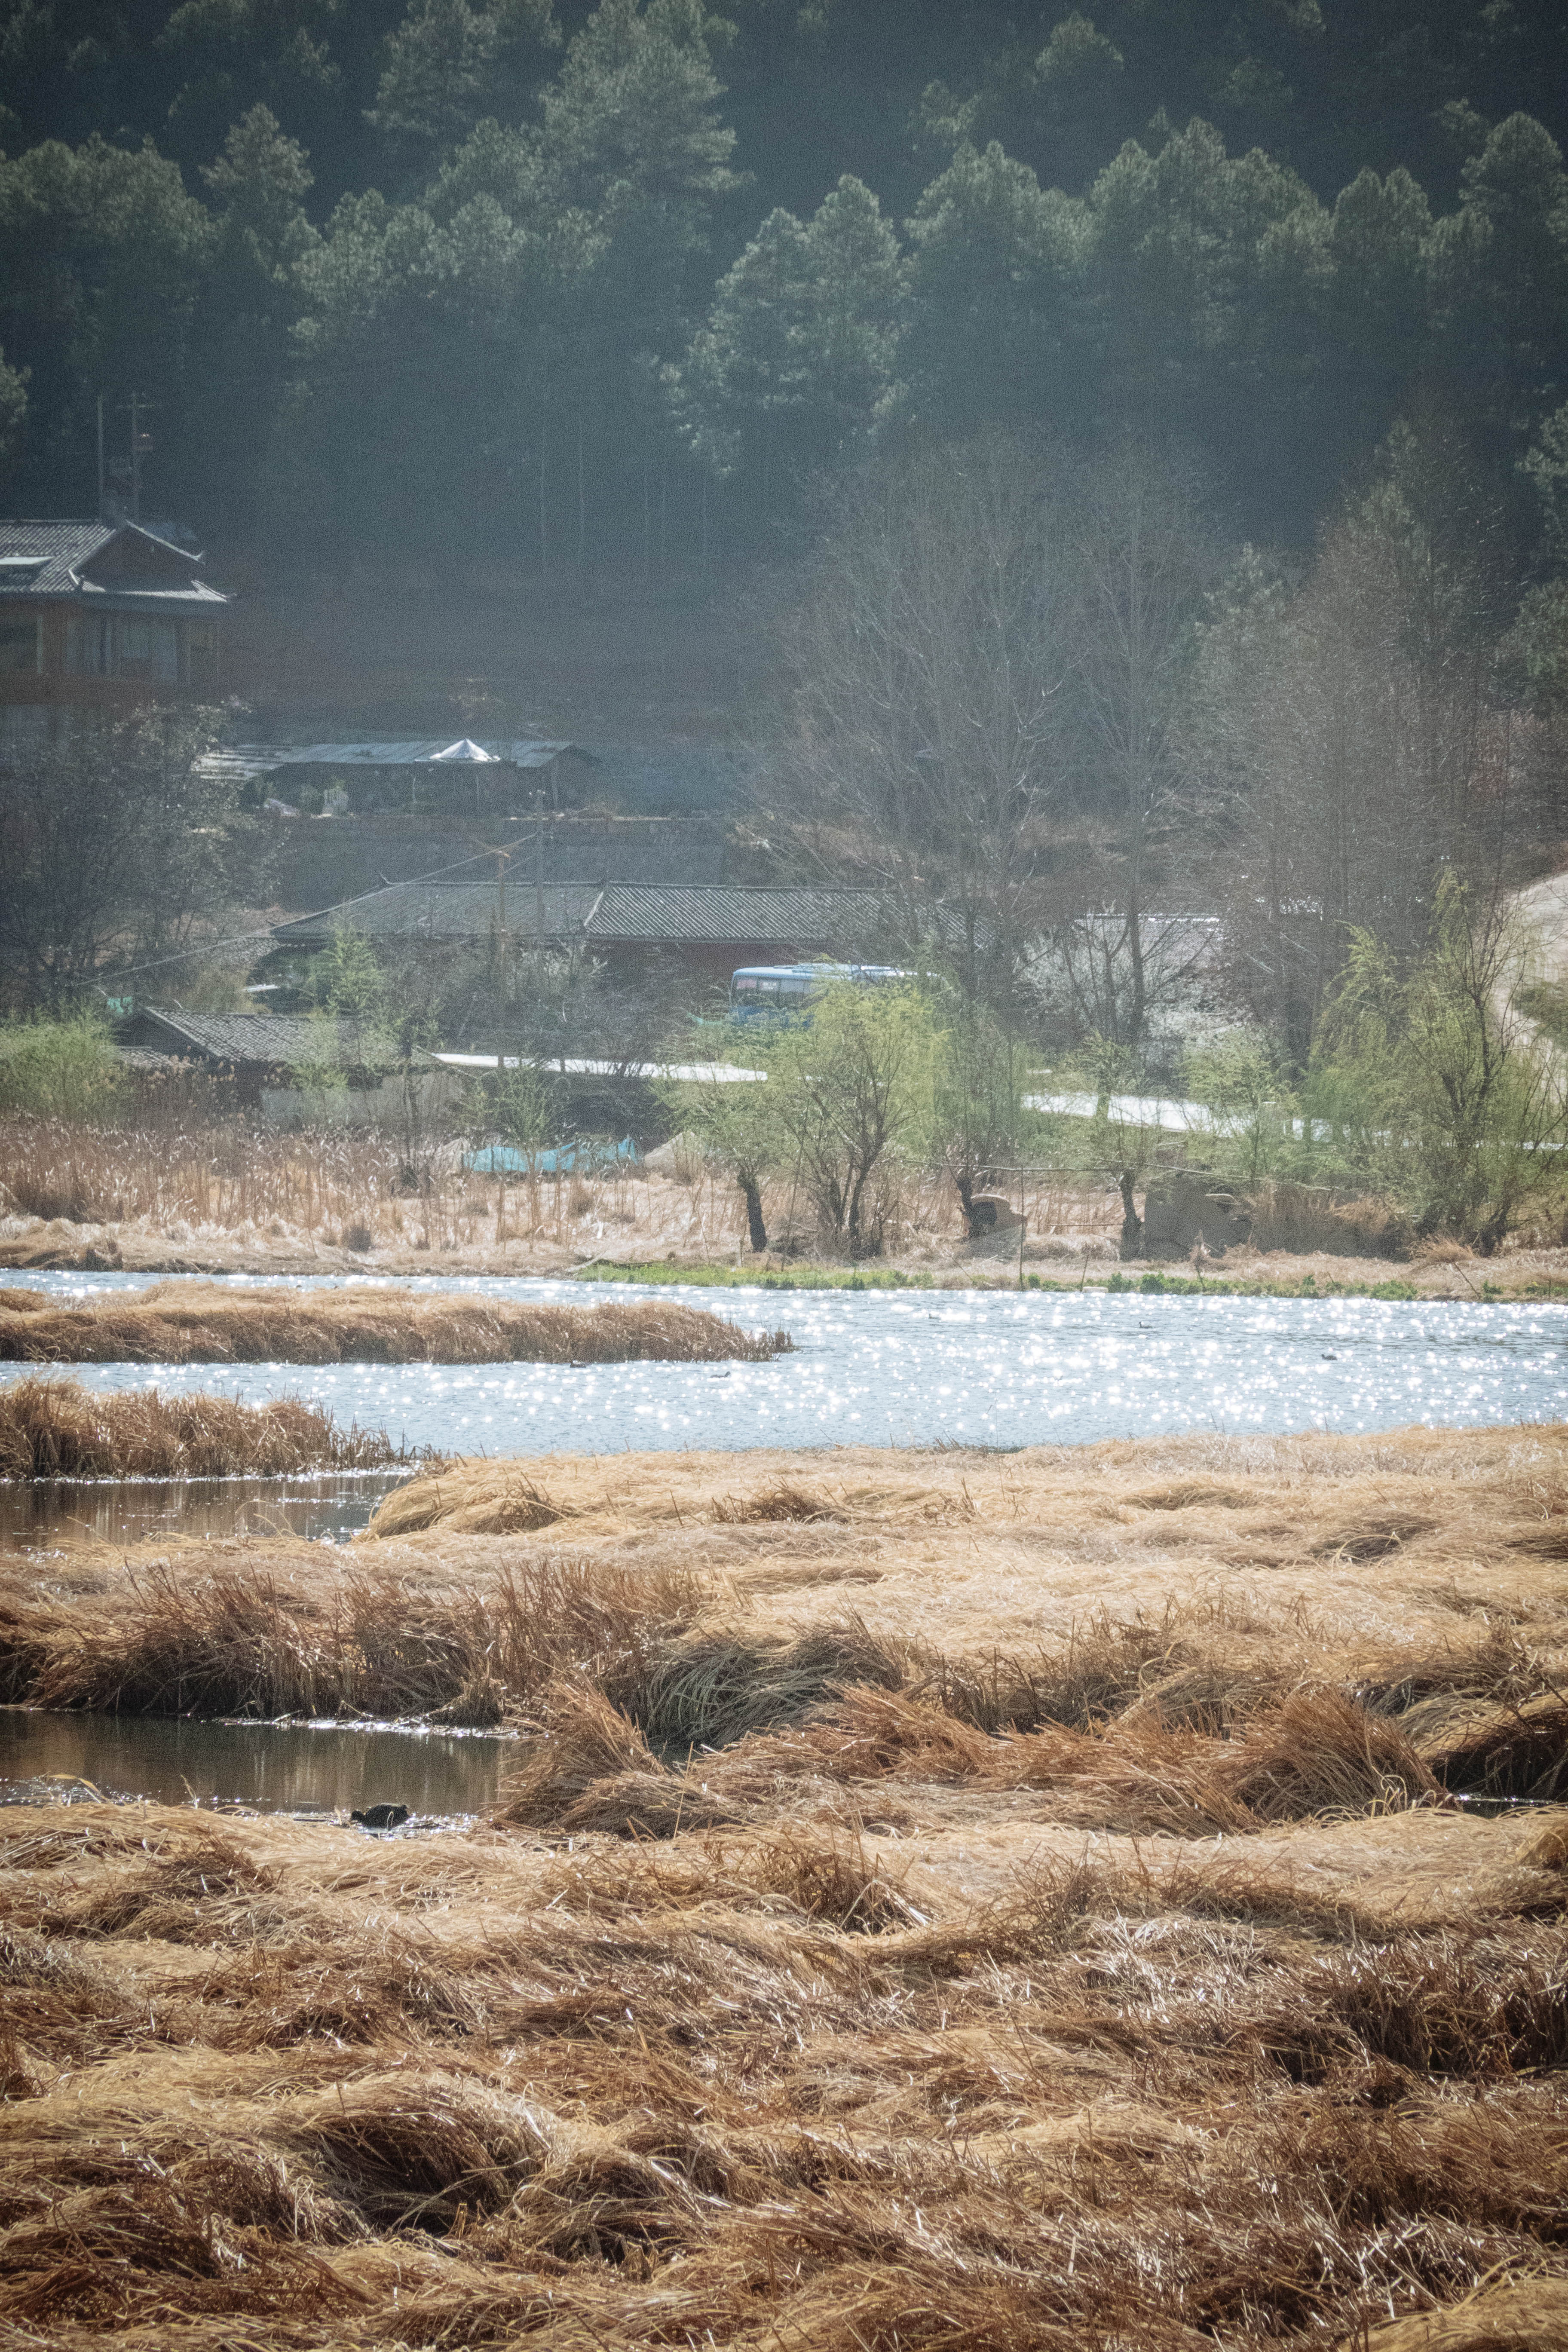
(321,1509)
(277,1767)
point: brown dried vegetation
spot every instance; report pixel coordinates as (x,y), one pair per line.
(1081,1947)
(211,1323)
(58,1429)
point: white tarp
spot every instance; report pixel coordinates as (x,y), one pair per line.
(1137,1110)
(713,1073)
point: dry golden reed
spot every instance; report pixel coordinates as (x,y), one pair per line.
(1081,1947)
(202,1184)
(211,1323)
(58,1429)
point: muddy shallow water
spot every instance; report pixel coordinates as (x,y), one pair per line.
(311,1769)
(917,1368)
(324,1509)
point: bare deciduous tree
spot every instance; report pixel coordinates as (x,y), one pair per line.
(1353,730)
(116,844)
(922,743)
(1137,567)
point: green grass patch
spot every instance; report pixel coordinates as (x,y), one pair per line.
(1183,1285)
(1191,1286)
(1149,1284)
(740,1278)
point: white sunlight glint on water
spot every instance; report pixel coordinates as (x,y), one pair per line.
(914,1367)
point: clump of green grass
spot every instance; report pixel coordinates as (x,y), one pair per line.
(1183,1285)
(742,1277)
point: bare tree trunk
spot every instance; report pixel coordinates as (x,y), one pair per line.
(1131,1223)
(755,1228)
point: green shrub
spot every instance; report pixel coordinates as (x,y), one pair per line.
(1432,1081)
(63,1068)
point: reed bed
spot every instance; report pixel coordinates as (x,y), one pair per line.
(58,1429)
(1019,1902)
(187,1323)
(210,1173)
(205,1186)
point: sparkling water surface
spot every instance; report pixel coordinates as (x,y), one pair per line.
(916,1368)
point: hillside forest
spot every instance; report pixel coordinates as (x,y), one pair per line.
(1139,443)
(515,275)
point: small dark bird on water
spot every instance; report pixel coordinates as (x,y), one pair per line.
(380,1817)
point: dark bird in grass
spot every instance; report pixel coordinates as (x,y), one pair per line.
(380,1817)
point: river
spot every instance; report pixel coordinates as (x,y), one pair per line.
(919,1367)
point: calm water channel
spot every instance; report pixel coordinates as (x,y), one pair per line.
(321,1769)
(133,1510)
(915,1368)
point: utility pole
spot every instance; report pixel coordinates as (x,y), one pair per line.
(539,871)
(500,856)
(100,457)
(139,441)
(503,858)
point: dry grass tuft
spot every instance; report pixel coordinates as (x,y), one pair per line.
(58,1429)
(1523,2316)
(1372,1537)
(418,2154)
(248,1637)
(1520,1750)
(203,1323)
(1307,1218)
(509,1504)
(711,1689)
(783,1502)
(1546,1848)
(1319,1753)
(164,1897)
(583,1740)
(1076,1951)
(830,1879)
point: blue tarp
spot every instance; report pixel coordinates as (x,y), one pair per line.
(506,1160)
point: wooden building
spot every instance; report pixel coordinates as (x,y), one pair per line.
(708,928)
(264,1058)
(98,618)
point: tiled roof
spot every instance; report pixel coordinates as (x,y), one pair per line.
(724,914)
(61,548)
(714,914)
(423,752)
(260,1039)
(447,910)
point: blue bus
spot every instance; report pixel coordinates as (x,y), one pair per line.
(780,992)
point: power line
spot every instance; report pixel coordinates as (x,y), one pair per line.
(243,939)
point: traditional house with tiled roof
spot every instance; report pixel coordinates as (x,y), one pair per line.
(270,1061)
(709,926)
(98,616)
(253,1049)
